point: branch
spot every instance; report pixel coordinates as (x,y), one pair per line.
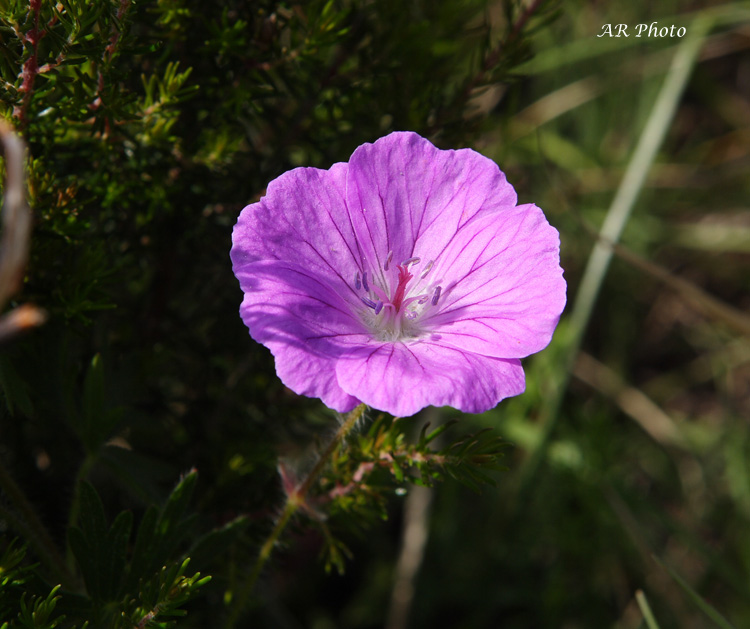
(30,66)
(15,239)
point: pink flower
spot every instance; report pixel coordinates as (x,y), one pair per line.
(403,278)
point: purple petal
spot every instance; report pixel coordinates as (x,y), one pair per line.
(503,290)
(302,219)
(407,196)
(401,379)
(306,325)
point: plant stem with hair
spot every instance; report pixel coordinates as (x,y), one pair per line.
(294,500)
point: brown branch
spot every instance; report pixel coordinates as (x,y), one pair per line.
(16,216)
(115,35)
(689,291)
(15,239)
(30,66)
(109,52)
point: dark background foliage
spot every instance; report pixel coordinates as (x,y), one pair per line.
(151,124)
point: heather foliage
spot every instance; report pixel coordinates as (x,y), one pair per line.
(145,440)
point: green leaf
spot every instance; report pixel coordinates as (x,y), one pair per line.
(99,550)
(161,531)
(648,615)
(113,560)
(425,439)
(98,420)
(709,610)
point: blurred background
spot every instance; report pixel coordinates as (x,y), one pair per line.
(150,125)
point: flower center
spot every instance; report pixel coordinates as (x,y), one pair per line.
(395,303)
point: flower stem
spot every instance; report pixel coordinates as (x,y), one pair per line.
(294,500)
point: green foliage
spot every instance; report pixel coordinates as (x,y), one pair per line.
(36,614)
(13,576)
(18,608)
(163,596)
(100,550)
(142,585)
(161,531)
(375,465)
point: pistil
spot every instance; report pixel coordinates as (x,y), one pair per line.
(395,313)
(403,279)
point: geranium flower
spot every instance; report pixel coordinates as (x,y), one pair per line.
(403,278)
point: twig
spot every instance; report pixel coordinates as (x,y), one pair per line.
(415,533)
(16,217)
(633,402)
(30,66)
(109,52)
(692,293)
(15,239)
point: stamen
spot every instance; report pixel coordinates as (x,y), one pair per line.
(436,296)
(400,297)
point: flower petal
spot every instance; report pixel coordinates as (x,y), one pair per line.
(304,323)
(302,219)
(401,379)
(502,285)
(407,196)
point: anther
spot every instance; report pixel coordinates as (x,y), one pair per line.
(357,283)
(410,261)
(364,282)
(369,302)
(388,260)
(378,307)
(427,269)
(436,296)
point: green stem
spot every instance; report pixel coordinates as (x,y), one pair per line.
(648,615)
(75,505)
(294,500)
(618,214)
(27,524)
